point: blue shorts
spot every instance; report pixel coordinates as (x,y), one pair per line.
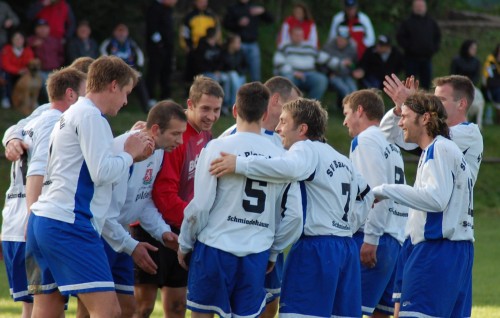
(272,284)
(437,280)
(227,285)
(14,257)
(404,254)
(65,256)
(122,269)
(377,282)
(322,278)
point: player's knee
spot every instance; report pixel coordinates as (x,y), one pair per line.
(177,307)
(144,311)
(129,309)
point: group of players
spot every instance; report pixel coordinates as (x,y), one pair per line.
(215,215)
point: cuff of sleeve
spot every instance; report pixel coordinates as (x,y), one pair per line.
(396,116)
(371,239)
(378,192)
(184,249)
(128,158)
(130,246)
(240,166)
(162,228)
(273,256)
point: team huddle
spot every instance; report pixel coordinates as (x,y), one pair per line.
(205,221)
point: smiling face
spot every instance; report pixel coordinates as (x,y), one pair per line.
(205,112)
(171,137)
(288,130)
(411,124)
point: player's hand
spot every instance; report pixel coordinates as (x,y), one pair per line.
(15,149)
(139,125)
(270,267)
(223,165)
(183,259)
(170,240)
(141,257)
(397,90)
(139,145)
(368,255)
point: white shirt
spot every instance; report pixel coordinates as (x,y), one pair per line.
(337,199)
(237,214)
(271,135)
(441,201)
(467,136)
(132,201)
(16,131)
(380,162)
(36,134)
(81,167)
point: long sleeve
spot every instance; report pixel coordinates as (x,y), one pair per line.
(336,20)
(369,38)
(296,164)
(152,221)
(16,131)
(393,133)
(289,228)
(197,212)
(363,202)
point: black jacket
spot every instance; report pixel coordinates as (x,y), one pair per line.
(160,20)
(250,32)
(419,36)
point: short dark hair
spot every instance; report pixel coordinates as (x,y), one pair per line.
(251,101)
(163,112)
(370,99)
(462,87)
(59,81)
(422,103)
(309,112)
(283,86)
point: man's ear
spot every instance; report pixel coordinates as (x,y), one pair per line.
(113,86)
(303,128)
(190,104)
(234,111)
(155,130)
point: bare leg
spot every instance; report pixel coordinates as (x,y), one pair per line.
(145,297)
(81,310)
(397,306)
(201,315)
(27,310)
(271,309)
(101,304)
(378,314)
(48,305)
(127,305)
(174,302)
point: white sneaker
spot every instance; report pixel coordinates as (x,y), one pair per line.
(5,103)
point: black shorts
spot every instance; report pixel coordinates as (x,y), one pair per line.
(169,273)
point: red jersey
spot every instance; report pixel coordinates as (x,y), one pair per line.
(13,64)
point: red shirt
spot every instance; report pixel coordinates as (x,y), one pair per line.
(56,15)
(13,64)
(174,185)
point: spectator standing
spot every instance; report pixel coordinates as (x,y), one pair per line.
(160,31)
(235,65)
(356,23)
(380,60)
(57,13)
(15,59)
(420,37)
(297,62)
(82,44)
(243,19)
(301,17)
(491,78)
(466,63)
(342,63)
(122,46)
(8,21)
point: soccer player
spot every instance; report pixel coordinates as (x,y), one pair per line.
(230,225)
(172,191)
(132,201)
(437,277)
(380,239)
(322,273)
(27,173)
(456,93)
(282,91)
(63,229)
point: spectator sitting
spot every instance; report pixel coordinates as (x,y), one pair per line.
(297,62)
(82,44)
(122,46)
(466,63)
(49,50)
(343,58)
(380,60)
(356,23)
(301,17)
(15,59)
(235,65)
(491,78)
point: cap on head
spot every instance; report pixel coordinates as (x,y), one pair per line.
(350,3)
(384,40)
(41,22)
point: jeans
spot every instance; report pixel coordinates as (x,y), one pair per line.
(343,85)
(252,56)
(236,80)
(314,83)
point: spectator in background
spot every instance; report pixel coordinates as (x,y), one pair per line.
(194,26)
(420,37)
(49,50)
(356,23)
(342,70)
(491,78)
(466,63)
(243,19)
(82,44)
(15,59)
(380,60)
(235,65)
(160,47)
(297,62)
(8,21)
(122,46)
(57,13)
(301,17)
